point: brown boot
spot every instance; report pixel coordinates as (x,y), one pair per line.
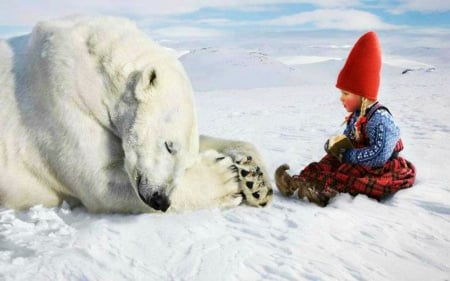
(284,181)
(303,186)
(317,194)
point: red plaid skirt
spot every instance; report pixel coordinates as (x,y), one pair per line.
(377,183)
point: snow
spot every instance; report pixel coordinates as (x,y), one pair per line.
(237,69)
(254,96)
(289,60)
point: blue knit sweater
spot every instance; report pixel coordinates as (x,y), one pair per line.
(383,135)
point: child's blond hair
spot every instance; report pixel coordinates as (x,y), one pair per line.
(361,118)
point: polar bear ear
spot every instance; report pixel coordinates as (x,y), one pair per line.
(152,78)
(148,78)
(141,83)
(133,80)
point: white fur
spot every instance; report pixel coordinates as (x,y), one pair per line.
(207,173)
(81,122)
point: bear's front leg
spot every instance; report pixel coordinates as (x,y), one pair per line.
(211,182)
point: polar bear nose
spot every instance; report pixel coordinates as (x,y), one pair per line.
(159,201)
(152,195)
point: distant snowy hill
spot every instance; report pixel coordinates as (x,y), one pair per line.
(429,55)
(214,69)
(225,69)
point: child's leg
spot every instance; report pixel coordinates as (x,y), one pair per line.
(307,182)
(315,179)
(376,183)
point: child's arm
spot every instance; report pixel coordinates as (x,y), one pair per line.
(383,134)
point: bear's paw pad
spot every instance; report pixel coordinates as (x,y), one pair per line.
(251,182)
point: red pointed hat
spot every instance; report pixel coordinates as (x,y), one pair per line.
(361,72)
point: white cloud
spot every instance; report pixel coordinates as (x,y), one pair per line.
(216,22)
(27,12)
(422,6)
(191,32)
(334,19)
(338,14)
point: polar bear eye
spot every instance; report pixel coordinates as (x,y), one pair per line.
(170,147)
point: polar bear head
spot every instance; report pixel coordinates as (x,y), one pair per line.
(151,107)
(157,124)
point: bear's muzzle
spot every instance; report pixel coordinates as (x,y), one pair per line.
(152,195)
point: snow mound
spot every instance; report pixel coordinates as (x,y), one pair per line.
(406,63)
(221,69)
(429,55)
(293,60)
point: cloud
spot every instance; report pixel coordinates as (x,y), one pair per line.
(216,22)
(28,12)
(338,14)
(191,32)
(334,19)
(428,6)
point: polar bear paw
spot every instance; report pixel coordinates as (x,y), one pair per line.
(251,182)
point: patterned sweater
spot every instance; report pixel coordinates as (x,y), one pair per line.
(382,134)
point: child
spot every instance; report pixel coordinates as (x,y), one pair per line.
(365,160)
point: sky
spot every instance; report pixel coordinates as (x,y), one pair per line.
(209,18)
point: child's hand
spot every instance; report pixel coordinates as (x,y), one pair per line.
(337,146)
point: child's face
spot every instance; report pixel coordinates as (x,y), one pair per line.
(350,101)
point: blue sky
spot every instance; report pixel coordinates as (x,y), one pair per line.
(214,17)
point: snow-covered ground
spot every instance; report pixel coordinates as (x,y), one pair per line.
(286,104)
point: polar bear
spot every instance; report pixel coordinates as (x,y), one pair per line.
(93,112)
